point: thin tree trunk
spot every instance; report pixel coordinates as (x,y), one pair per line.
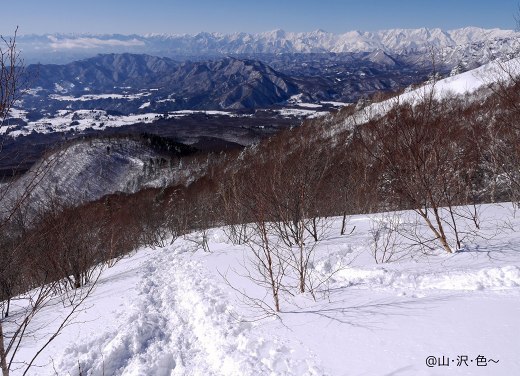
(302,269)
(6,315)
(3,355)
(344,223)
(443,238)
(272,279)
(440,236)
(455,229)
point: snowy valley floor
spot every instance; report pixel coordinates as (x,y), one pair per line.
(169,311)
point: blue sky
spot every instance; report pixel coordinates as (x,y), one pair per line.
(173,16)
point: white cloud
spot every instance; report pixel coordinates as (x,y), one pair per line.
(90,43)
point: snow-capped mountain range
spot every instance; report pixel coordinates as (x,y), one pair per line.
(67,47)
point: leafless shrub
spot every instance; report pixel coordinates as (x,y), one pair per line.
(387,244)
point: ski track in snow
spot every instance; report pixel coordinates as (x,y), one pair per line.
(182,324)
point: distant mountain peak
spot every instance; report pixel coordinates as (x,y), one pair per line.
(392,41)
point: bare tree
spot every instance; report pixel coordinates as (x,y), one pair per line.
(269,265)
(501,143)
(12,78)
(233,216)
(28,283)
(19,326)
(424,161)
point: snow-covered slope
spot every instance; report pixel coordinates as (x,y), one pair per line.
(466,83)
(170,312)
(87,170)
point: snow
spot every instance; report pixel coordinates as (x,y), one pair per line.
(465,83)
(17,113)
(335,104)
(79,120)
(65,121)
(297,100)
(95,97)
(291,112)
(469,82)
(309,105)
(34,91)
(169,311)
(211,113)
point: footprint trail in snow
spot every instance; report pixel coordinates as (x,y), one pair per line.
(182,324)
